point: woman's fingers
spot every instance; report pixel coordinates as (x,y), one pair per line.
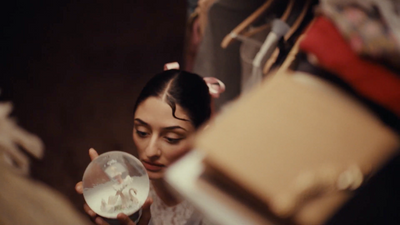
(146,214)
(79,187)
(93,215)
(100,221)
(89,211)
(124,220)
(144,219)
(93,154)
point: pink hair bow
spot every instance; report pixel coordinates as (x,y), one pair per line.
(215,86)
(171,66)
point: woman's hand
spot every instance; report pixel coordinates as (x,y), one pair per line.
(93,154)
(122,218)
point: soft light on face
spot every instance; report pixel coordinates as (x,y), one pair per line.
(159,137)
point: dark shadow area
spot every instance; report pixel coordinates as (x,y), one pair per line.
(73,70)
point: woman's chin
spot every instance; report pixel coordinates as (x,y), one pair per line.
(155,175)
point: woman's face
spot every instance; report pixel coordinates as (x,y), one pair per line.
(159,137)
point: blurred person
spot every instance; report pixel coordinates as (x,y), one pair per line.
(23,200)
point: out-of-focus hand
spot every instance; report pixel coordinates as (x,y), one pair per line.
(79,188)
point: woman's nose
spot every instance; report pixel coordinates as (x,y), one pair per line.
(152,149)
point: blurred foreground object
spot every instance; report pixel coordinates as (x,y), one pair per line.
(12,137)
(290,152)
(22,200)
(317,140)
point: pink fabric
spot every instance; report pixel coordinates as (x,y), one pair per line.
(215,86)
(171,66)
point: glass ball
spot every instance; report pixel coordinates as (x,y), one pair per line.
(115,182)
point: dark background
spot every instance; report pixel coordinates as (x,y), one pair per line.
(73,70)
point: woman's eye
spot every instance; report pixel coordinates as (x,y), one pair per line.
(173,140)
(141,133)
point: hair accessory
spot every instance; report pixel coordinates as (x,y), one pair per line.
(171,66)
(215,86)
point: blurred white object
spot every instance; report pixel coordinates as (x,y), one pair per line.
(12,137)
(183,176)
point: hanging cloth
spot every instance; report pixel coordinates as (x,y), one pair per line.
(211,59)
(371,27)
(368,78)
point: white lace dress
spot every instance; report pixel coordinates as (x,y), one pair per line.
(181,214)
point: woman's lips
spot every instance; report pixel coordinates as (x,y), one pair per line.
(153,167)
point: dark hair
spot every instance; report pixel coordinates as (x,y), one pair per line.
(188,90)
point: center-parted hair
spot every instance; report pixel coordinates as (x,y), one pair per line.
(176,87)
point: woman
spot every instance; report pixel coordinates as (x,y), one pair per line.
(170,108)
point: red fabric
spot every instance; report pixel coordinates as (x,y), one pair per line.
(369,79)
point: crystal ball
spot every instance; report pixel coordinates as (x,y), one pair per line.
(115,182)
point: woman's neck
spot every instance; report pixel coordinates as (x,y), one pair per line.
(161,189)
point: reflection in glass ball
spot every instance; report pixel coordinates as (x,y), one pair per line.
(115,182)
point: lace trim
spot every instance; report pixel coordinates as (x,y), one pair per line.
(161,214)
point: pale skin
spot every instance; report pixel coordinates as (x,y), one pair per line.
(160,139)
